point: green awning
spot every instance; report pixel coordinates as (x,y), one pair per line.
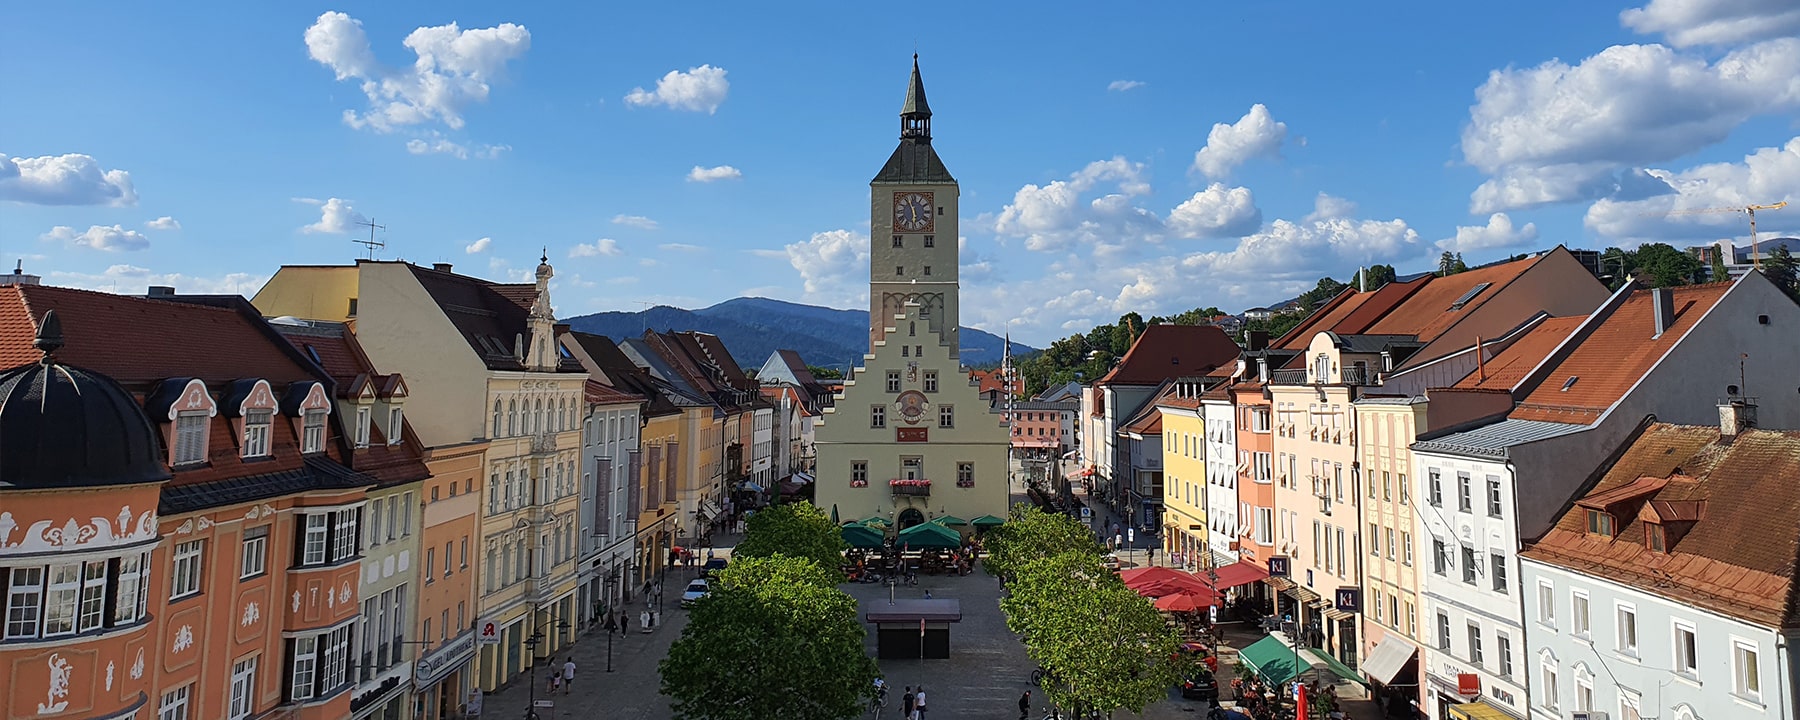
(929,535)
(949,520)
(875,520)
(1338,668)
(987,521)
(1270,658)
(862,536)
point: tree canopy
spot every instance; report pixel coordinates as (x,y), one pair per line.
(770,641)
(1666,266)
(1032,534)
(1105,647)
(795,529)
(1450,264)
(1780,268)
(825,373)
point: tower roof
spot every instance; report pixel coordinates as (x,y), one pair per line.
(915,95)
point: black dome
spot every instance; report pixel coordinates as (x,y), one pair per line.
(62,426)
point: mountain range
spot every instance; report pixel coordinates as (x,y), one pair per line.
(754,328)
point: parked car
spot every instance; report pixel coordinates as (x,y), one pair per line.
(695,590)
(1109,561)
(1201,686)
(712,567)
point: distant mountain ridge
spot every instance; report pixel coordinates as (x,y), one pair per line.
(754,327)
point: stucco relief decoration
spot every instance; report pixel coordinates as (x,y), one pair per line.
(45,535)
(109,674)
(252,613)
(344,593)
(259,398)
(260,511)
(56,696)
(194,397)
(296,601)
(184,637)
(137,666)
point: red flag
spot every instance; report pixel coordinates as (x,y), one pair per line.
(1299,699)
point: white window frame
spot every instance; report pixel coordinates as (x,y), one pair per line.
(1475,650)
(396,425)
(189,559)
(362,427)
(1548,674)
(257,426)
(1621,611)
(316,540)
(1503,652)
(91,613)
(174,703)
(312,433)
(25,594)
(1581,614)
(1546,605)
(128,598)
(1747,685)
(344,544)
(255,560)
(1676,628)
(303,680)
(242,700)
(947,416)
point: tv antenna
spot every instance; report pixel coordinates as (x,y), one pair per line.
(371,244)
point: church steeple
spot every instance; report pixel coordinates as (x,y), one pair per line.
(915,115)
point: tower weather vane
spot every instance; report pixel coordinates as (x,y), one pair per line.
(371,244)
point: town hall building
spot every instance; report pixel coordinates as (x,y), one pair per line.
(908,438)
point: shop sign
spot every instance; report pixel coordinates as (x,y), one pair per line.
(1468,684)
(911,434)
(1278,566)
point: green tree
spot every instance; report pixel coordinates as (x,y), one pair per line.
(1278,324)
(1379,275)
(1451,263)
(1197,316)
(1781,268)
(1667,266)
(1105,647)
(1325,290)
(825,373)
(1032,534)
(750,573)
(1718,273)
(794,529)
(758,649)
(1617,266)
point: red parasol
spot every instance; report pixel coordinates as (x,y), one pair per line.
(1180,602)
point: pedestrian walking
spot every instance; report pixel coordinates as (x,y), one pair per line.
(555,680)
(1025,705)
(568,674)
(919,703)
(906,704)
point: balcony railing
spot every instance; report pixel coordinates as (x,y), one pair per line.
(1357,376)
(921,488)
(1287,377)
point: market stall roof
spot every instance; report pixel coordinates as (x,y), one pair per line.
(1337,667)
(929,535)
(1387,659)
(914,610)
(949,520)
(987,521)
(862,536)
(1238,573)
(875,520)
(1273,659)
(1180,602)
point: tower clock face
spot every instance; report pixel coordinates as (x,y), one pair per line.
(913,212)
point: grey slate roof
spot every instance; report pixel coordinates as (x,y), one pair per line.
(1051,405)
(1492,441)
(1374,343)
(915,94)
(914,162)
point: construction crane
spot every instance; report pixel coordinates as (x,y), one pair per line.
(1755,256)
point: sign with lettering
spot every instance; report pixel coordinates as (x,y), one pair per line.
(1349,599)
(1468,684)
(488,633)
(911,434)
(1278,566)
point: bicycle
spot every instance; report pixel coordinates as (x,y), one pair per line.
(879,701)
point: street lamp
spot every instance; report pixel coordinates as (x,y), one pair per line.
(531,645)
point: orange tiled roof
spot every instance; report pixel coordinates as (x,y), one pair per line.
(1426,314)
(1149,424)
(1740,554)
(1511,365)
(1615,353)
(1168,351)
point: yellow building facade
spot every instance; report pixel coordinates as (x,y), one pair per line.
(1185,533)
(1390,578)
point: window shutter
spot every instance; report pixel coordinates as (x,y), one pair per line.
(602,496)
(634,470)
(674,471)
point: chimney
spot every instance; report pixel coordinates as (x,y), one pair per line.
(1662,305)
(441,267)
(160,291)
(1259,340)
(1736,414)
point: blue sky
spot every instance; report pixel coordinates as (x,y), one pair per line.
(1110,159)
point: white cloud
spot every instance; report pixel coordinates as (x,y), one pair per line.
(1054,216)
(134,280)
(767,253)
(636,221)
(1124,85)
(479,246)
(1497,233)
(440,145)
(113,238)
(1714,22)
(1217,211)
(163,223)
(833,266)
(604,246)
(1766,176)
(680,247)
(72,179)
(713,174)
(1559,133)
(1256,134)
(1327,206)
(452,70)
(698,89)
(336,217)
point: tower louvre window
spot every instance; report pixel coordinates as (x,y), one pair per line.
(899,269)
(931,240)
(899,243)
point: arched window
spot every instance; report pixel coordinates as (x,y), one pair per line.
(1322,368)
(537,417)
(512,417)
(496,432)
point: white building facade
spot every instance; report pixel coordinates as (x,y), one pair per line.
(609,438)
(1220,417)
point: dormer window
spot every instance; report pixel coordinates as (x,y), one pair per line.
(312,431)
(1655,537)
(396,423)
(190,437)
(256,432)
(362,427)
(1600,522)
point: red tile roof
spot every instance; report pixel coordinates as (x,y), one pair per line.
(1508,367)
(341,357)
(599,394)
(1167,351)
(1615,351)
(1739,555)
(1428,313)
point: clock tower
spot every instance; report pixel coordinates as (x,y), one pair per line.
(912,229)
(908,439)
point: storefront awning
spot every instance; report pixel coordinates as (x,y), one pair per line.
(1479,710)
(1238,573)
(707,511)
(1387,659)
(1324,661)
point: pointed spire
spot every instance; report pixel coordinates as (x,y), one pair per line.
(915,94)
(49,337)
